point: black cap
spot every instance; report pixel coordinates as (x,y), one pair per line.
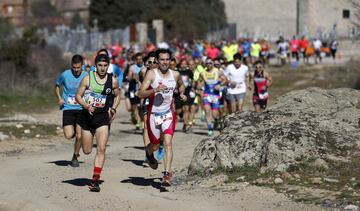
(102,58)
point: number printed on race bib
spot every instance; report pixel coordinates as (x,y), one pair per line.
(239,85)
(97,101)
(212,98)
(162,118)
(71,100)
(132,94)
(264,95)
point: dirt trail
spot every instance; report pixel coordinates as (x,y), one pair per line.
(40,179)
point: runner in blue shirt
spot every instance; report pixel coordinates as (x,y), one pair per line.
(70,80)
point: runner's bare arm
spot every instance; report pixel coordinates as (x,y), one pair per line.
(143,92)
(180,85)
(112,109)
(116,92)
(250,78)
(179,82)
(130,73)
(223,78)
(268,78)
(80,92)
(58,96)
(200,84)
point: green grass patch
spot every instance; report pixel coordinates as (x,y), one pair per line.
(36,102)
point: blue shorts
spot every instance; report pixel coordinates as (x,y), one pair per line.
(212,100)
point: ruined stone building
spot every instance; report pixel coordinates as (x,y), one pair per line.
(313,18)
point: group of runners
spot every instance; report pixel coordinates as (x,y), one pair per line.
(159,91)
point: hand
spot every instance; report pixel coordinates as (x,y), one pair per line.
(217,87)
(183,97)
(233,84)
(61,102)
(160,88)
(112,113)
(90,109)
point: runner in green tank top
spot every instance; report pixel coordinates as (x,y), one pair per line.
(101,95)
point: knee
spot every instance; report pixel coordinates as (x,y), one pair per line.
(154,147)
(78,136)
(101,150)
(69,135)
(86,150)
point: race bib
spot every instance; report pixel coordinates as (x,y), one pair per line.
(132,94)
(212,98)
(162,118)
(97,101)
(264,95)
(239,85)
(192,94)
(71,100)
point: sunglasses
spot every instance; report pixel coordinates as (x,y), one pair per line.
(217,64)
(209,63)
(152,62)
(258,67)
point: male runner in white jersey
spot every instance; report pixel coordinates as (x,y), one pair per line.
(237,74)
(161,117)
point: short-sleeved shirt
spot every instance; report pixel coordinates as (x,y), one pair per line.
(239,76)
(70,84)
(255,50)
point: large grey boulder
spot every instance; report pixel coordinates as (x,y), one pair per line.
(321,125)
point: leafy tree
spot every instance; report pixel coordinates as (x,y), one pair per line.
(185,19)
(43,9)
(6,29)
(76,21)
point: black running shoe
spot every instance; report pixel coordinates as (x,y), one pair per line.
(74,161)
(94,186)
(151,160)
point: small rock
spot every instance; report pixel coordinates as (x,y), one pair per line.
(244,184)
(33,126)
(242,178)
(316,181)
(286,176)
(260,181)
(263,170)
(37,136)
(351,207)
(331,180)
(58,128)
(297,176)
(282,167)
(19,126)
(278,181)
(27,131)
(3,137)
(320,163)
(353,179)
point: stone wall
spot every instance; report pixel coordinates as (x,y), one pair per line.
(269,19)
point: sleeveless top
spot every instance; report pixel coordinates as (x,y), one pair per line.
(260,86)
(211,81)
(101,96)
(161,102)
